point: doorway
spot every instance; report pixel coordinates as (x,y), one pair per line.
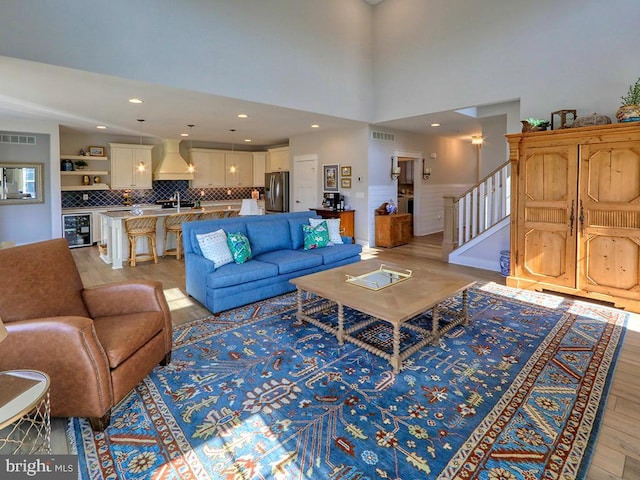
(305,183)
(408,191)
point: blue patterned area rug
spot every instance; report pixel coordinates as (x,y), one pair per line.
(256,394)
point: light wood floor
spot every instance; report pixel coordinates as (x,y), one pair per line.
(617,454)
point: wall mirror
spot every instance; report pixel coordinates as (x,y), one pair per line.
(21,183)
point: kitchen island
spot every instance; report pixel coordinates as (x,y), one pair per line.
(114,247)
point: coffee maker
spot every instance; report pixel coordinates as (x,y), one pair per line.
(332,201)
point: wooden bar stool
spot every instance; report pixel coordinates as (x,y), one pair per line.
(173,224)
(139,227)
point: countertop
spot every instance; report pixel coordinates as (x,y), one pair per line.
(152,206)
(160,212)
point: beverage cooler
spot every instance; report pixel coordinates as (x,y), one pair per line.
(77,229)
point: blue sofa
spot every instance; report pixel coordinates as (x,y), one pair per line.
(277,247)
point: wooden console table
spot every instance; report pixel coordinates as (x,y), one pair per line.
(347,219)
(393,230)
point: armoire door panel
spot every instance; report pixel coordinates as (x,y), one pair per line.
(546,243)
(610,226)
(612,265)
(546,256)
(614,173)
(546,175)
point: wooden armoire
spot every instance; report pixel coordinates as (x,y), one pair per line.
(575,216)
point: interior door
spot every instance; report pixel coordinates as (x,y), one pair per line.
(305,183)
(546,244)
(609,219)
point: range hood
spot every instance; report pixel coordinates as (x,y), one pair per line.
(172,166)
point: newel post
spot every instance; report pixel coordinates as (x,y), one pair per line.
(449,242)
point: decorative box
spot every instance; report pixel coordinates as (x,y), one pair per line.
(590,120)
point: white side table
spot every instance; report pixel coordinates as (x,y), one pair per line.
(25,426)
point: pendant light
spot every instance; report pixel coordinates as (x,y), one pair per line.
(232,168)
(141,167)
(191,167)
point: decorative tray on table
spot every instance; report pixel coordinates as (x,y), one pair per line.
(379,279)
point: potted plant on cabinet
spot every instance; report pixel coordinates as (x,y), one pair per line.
(630,109)
(534,125)
(81,164)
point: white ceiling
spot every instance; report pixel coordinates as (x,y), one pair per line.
(79,101)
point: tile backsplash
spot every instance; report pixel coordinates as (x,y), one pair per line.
(162,190)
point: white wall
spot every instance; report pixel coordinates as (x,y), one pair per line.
(437,55)
(454,169)
(302,54)
(344,147)
(494,150)
(40,221)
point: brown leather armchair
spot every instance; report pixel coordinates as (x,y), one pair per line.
(95,343)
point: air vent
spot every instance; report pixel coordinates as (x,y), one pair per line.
(18,139)
(384,136)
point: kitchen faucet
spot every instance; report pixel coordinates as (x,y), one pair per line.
(177,195)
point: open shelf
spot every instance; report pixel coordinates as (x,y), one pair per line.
(81,157)
(96,186)
(86,172)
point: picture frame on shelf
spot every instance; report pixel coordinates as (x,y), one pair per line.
(345,171)
(96,151)
(330,177)
(345,183)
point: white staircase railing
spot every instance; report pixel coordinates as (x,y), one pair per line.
(476,210)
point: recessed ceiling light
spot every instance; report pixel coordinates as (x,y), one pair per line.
(315,125)
(248,140)
(101,127)
(243,115)
(135,100)
(184,134)
(435,124)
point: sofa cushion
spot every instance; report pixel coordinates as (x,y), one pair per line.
(123,335)
(289,261)
(335,253)
(333,224)
(238,273)
(234,226)
(316,237)
(214,247)
(295,228)
(239,246)
(268,236)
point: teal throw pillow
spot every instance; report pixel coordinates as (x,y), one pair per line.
(239,246)
(316,237)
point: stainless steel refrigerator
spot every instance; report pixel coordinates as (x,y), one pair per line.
(276,192)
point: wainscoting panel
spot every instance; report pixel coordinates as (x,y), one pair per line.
(429,207)
(378,194)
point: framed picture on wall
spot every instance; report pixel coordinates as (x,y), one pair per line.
(345,183)
(330,177)
(345,171)
(96,151)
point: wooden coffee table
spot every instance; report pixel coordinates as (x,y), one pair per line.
(396,304)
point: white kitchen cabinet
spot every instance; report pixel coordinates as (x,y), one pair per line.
(259,168)
(238,169)
(209,167)
(278,159)
(130,166)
